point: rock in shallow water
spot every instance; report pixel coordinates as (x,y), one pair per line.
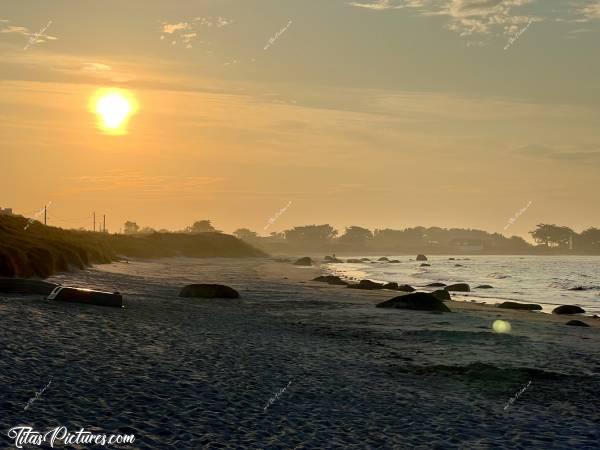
(331,279)
(458,287)
(441,294)
(26,286)
(520,306)
(484,286)
(577,323)
(208,291)
(367,285)
(419,301)
(306,261)
(421,258)
(568,309)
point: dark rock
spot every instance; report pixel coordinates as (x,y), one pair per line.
(425,265)
(441,294)
(435,285)
(406,288)
(331,279)
(484,286)
(578,288)
(208,291)
(520,306)
(458,265)
(354,261)
(568,309)
(458,287)
(419,301)
(450,259)
(421,258)
(577,323)
(306,261)
(383,258)
(392,285)
(365,259)
(395,261)
(366,285)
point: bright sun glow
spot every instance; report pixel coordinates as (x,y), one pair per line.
(114,107)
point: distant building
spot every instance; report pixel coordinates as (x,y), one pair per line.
(6,212)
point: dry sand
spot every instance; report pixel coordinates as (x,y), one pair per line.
(189,373)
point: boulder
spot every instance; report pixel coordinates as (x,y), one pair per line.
(354,261)
(306,261)
(394,261)
(450,259)
(366,285)
(406,288)
(425,265)
(208,291)
(435,285)
(421,258)
(568,309)
(458,265)
(577,323)
(484,286)
(331,279)
(520,306)
(458,287)
(383,258)
(418,301)
(365,259)
(441,294)
(392,285)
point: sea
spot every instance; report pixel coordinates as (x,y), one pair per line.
(546,280)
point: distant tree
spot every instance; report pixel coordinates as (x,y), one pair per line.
(310,234)
(245,234)
(590,238)
(356,236)
(147,230)
(552,235)
(131,228)
(202,226)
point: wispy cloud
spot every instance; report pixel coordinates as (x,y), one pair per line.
(590,11)
(35,37)
(380,5)
(186,32)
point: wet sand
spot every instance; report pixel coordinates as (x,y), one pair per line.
(190,373)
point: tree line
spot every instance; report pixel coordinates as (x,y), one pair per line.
(547,238)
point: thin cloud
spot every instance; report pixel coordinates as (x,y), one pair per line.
(378,5)
(186,32)
(35,37)
(590,11)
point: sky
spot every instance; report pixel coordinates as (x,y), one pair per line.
(382,114)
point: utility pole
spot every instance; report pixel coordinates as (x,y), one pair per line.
(94,220)
(104,223)
(45,216)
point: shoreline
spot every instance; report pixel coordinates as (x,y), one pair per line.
(469,304)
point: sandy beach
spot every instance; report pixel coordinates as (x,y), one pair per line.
(191,373)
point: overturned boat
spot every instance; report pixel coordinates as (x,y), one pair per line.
(86,296)
(26,286)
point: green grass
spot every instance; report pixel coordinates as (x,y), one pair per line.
(41,251)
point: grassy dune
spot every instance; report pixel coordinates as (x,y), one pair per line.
(38,250)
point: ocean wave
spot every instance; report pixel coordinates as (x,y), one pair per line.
(498,275)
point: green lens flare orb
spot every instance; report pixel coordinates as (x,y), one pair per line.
(501,326)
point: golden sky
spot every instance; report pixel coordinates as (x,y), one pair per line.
(383,113)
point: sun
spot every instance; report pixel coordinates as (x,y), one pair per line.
(114,107)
